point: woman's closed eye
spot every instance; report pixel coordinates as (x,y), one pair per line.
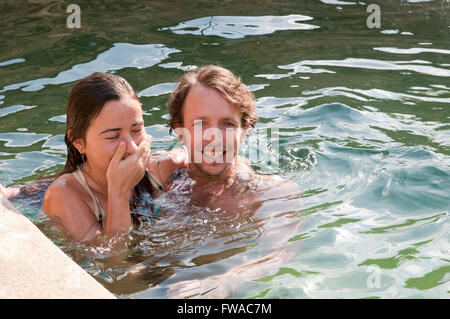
(134,131)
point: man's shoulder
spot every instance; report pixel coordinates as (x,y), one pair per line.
(277,180)
(276,186)
(245,171)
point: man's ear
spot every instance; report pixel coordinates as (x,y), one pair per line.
(179,130)
(79,143)
(244,132)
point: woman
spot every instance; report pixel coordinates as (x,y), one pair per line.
(108,159)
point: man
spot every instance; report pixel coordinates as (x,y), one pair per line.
(211,111)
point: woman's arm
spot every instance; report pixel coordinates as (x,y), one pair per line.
(66,201)
(163,164)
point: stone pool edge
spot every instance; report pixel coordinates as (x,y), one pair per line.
(32,267)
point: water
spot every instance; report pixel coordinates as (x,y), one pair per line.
(363,130)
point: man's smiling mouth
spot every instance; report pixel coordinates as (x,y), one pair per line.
(214,155)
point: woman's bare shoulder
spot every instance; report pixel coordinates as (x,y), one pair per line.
(62,189)
(64,183)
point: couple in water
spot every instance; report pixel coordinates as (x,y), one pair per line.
(110,166)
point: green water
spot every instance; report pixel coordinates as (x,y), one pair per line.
(362,114)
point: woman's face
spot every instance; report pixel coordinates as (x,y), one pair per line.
(119,120)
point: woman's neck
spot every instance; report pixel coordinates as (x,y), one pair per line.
(96,179)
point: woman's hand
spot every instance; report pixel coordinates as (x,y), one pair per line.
(124,174)
(9,191)
(163,164)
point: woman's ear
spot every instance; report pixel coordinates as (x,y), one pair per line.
(79,143)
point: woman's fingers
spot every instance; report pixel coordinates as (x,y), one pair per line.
(120,151)
(129,171)
(143,151)
(115,160)
(148,148)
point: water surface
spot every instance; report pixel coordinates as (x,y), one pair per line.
(362,122)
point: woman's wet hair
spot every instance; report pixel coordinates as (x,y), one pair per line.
(86,100)
(230,86)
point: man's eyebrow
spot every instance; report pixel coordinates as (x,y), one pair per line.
(229,119)
(201,118)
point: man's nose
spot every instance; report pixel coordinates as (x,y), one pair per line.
(212,134)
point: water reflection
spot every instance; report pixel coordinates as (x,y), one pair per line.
(411,50)
(234,27)
(12,61)
(194,232)
(120,56)
(360,63)
(363,130)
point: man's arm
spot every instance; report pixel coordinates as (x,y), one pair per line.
(224,285)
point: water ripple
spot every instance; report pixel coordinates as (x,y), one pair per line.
(411,50)
(12,61)
(235,27)
(121,55)
(372,64)
(14,109)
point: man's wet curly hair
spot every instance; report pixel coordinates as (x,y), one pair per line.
(225,82)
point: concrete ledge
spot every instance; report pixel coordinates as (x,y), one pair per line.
(31,266)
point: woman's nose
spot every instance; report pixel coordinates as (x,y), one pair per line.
(132,146)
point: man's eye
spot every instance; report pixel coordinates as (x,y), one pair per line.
(112,137)
(230,124)
(138,131)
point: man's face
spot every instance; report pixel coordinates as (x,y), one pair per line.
(212,131)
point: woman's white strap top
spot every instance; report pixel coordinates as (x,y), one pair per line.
(99,212)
